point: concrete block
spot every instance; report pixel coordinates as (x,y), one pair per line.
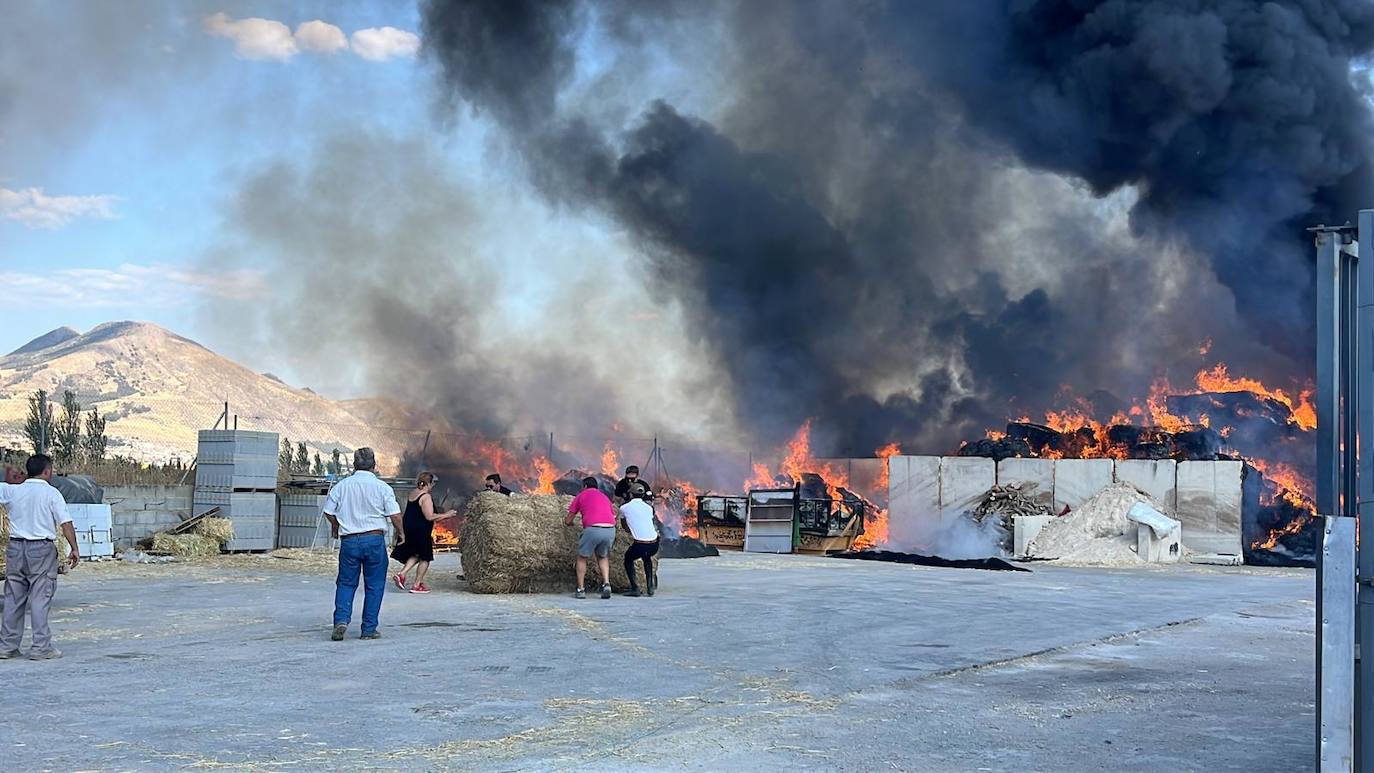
(1036,476)
(1158,550)
(964,481)
(1156,477)
(1210,502)
(913,492)
(1025,528)
(1077,480)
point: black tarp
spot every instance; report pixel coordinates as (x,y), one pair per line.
(916,559)
(685,547)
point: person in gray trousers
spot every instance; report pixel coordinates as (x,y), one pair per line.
(37,511)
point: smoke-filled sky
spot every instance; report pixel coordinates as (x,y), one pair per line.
(709,220)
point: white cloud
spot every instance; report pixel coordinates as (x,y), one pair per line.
(254,38)
(320,37)
(35,209)
(378,44)
(268,39)
(130,285)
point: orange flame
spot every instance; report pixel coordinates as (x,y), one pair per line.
(1218,379)
(886,453)
(444,534)
(547,475)
(610,461)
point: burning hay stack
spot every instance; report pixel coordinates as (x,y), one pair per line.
(518,544)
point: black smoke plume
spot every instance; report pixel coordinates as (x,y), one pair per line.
(886,221)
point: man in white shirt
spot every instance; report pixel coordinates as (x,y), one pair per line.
(638,516)
(358,508)
(37,511)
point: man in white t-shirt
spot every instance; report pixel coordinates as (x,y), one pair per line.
(37,511)
(358,508)
(638,516)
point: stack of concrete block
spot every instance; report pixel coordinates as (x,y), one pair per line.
(236,471)
(94,527)
(299,516)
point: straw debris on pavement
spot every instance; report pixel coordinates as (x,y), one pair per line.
(519,544)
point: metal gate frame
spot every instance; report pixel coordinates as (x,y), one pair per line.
(1345,489)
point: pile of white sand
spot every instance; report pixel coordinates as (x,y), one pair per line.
(1097,532)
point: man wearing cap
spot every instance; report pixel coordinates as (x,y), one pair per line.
(358,508)
(622,489)
(638,516)
(37,511)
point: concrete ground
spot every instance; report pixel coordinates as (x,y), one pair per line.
(742,662)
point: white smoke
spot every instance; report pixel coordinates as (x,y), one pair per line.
(953,538)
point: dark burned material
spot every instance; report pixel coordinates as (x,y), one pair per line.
(1124,441)
(571,483)
(916,559)
(997,450)
(1277,527)
(684,547)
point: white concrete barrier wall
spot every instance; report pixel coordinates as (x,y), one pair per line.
(1035,476)
(1078,480)
(1209,505)
(913,490)
(963,481)
(1155,477)
(1206,497)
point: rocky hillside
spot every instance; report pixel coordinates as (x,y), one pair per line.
(158,388)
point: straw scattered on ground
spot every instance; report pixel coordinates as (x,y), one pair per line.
(518,544)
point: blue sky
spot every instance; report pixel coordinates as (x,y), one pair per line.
(114,169)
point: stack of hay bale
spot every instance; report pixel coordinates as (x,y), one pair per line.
(206,538)
(518,544)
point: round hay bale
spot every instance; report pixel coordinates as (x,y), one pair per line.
(518,544)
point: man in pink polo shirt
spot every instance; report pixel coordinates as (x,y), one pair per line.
(598,534)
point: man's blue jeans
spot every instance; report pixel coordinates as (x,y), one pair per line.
(366,554)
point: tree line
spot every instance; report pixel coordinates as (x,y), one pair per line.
(296,459)
(73,436)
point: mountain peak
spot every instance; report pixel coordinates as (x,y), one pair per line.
(48,340)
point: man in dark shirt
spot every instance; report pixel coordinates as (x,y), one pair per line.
(493,483)
(622,489)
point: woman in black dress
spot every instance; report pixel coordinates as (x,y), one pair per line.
(417,550)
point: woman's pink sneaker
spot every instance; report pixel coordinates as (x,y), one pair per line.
(400,580)
(420,588)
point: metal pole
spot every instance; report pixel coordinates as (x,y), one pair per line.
(1364,479)
(1335,592)
(550,448)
